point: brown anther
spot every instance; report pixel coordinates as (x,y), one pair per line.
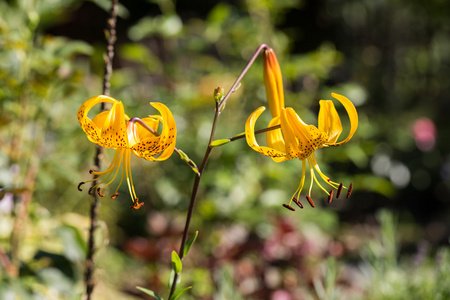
(79,186)
(330,197)
(339,191)
(90,171)
(310,201)
(350,189)
(99,192)
(297,202)
(90,191)
(115,195)
(136,204)
(289,207)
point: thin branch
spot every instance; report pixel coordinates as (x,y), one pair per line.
(242,135)
(89,280)
(218,110)
(244,71)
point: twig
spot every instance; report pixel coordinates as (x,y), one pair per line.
(244,71)
(242,135)
(111,32)
(219,108)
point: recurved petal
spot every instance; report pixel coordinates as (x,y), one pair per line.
(90,127)
(93,132)
(164,155)
(329,121)
(114,129)
(88,104)
(352,114)
(163,144)
(251,139)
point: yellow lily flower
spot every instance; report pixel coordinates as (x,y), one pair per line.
(113,129)
(295,138)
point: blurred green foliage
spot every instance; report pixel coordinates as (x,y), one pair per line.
(391,58)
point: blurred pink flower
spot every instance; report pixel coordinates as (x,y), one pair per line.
(424,132)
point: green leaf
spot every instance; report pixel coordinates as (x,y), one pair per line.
(150,292)
(189,243)
(219,142)
(176,262)
(179,292)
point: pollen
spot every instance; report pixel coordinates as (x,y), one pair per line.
(136,204)
(350,189)
(339,191)
(99,192)
(288,207)
(310,201)
(330,197)
(297,202)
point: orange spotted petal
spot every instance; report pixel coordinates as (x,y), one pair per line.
(114,129)
(163,144)
(308,136)
(91,128)
(251,139)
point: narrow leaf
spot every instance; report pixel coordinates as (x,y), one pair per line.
(150,292)
(221,142)
(189,243)
(176,262)
(179,292)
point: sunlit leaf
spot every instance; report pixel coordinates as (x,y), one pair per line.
(176,262)
(149,292)
(179,292)
(189,243)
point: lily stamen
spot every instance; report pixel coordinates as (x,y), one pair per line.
(350,189)
(339,191)
(136,204)
(289,207)
(330,196)
(100,193)
(297,202)
(310,201)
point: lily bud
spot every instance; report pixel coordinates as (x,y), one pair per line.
(218,94)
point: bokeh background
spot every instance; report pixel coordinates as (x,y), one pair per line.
(388,241)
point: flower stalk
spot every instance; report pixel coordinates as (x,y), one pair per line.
(220,105)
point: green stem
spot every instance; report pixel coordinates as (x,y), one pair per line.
(218,110)
(242,135)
